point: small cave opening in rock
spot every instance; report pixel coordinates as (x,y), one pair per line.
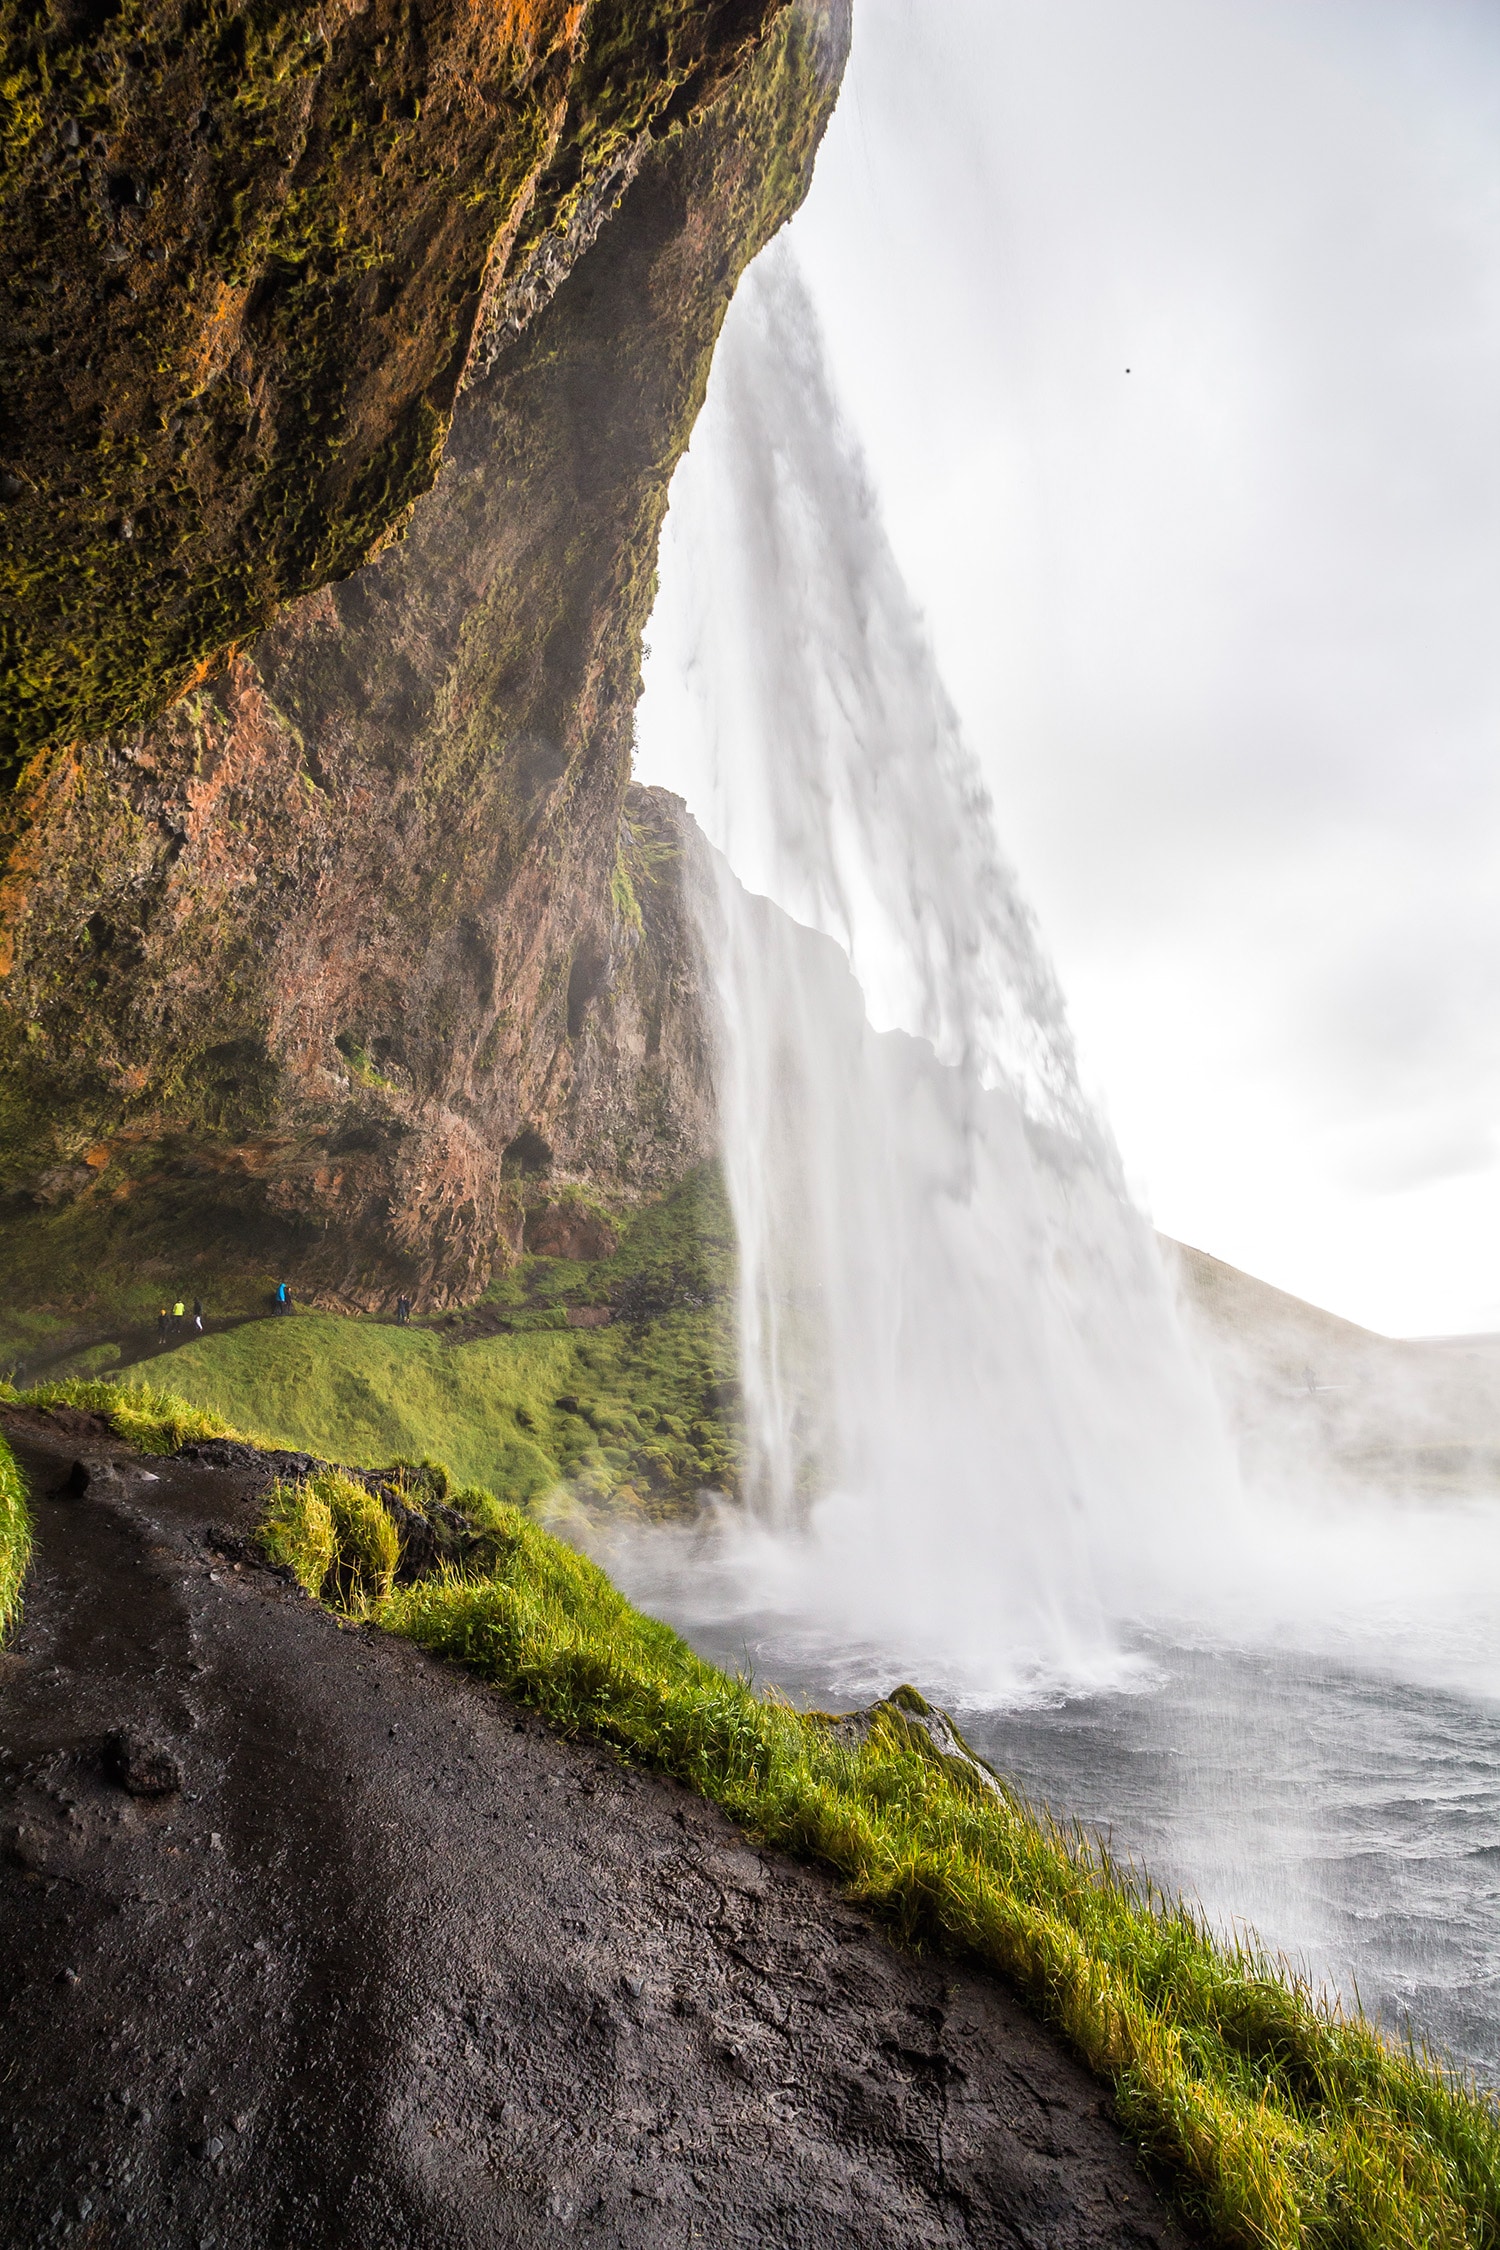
(528,1154)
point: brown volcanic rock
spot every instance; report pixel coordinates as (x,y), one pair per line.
(247,252)
(564,1230)
(361,926)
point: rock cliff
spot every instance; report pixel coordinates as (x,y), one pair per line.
(249,254)
(362,934)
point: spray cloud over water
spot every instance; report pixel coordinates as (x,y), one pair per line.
(981,1456)
(973,1427)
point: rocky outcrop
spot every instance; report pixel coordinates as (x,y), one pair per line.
(363,938)
(249,253)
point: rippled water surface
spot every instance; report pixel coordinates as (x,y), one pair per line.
(1354,1821)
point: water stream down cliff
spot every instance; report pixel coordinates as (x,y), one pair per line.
(974,1426)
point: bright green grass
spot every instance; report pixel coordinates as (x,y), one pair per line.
(640,1428)
(650,1416)
(1275,2119)
(15,1538)
(152,1420)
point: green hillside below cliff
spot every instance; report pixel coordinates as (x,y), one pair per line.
(609,1378)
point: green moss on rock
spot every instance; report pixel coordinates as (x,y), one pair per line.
(247,251)
(354,918)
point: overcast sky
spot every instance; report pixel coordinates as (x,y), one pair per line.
(1224,628)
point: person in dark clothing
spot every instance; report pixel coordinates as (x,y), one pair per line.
(163,1325)
(197,1316)
(403,1310)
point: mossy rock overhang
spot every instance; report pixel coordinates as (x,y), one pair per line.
(248,255)
(295,976)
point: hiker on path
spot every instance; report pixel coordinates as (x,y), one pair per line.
(403,1310)
(283,1297)
(179,1317)
(163,1325)
(197,1316)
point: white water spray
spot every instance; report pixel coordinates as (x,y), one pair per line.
(974,1431)
(982,1456)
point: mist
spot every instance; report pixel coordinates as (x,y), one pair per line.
(982,1441)
(1066,722)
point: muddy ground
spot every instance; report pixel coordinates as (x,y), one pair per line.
(395,1967)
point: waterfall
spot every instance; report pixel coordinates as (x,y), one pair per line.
(975,1437)
(981,1455)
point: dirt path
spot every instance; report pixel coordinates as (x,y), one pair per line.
(397,1969)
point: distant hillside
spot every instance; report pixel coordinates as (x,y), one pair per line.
(1306,1390)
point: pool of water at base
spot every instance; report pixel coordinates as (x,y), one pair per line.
(1352,1821)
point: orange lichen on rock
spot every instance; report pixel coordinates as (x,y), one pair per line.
(537,27)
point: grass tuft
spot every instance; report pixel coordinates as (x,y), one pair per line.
(151,1420)
(15,1538)
(298,1534)
(368,1546)
(337,1539)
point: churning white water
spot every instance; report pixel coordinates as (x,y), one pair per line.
(981,1453)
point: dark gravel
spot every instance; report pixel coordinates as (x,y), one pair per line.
(394,1967)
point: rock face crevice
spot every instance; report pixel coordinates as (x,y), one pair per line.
(369,912)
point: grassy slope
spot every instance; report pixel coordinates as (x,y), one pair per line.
(635,1414)
(646,1416)
(368,1393)
(15,1538)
